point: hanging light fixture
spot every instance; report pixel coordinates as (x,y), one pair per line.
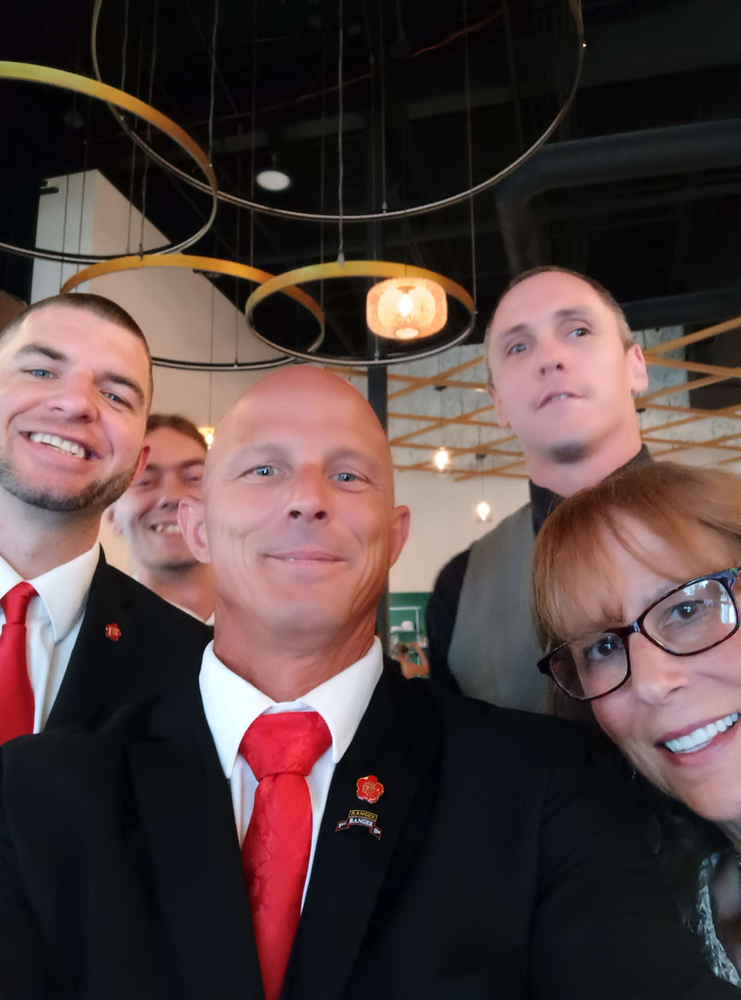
(574,12)
(442,458)
(77,84)
(207,433)
(206,265)
(406,308)
(483,511)
(274,178)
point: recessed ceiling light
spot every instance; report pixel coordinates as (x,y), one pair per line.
(274,179)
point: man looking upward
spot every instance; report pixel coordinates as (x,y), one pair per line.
(563,374)
(79,639)
(147,516)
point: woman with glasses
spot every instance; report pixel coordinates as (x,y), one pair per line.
(636,588)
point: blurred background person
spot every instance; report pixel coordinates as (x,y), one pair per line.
(147,516)
(409,667)
(563,373)
(637,595)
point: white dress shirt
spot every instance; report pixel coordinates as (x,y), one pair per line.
(232,704)
(52,624)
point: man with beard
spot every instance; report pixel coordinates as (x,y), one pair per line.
(563,374)
(79,639)
(147,516)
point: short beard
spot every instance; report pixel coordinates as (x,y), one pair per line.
(569,453)
(94,498)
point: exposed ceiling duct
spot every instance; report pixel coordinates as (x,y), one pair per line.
(625,156)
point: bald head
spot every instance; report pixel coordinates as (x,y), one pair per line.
(307,396)
(297,515)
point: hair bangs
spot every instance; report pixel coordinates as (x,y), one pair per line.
(695,512)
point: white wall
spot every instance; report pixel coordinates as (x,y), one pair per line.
(180,311)
(444,522)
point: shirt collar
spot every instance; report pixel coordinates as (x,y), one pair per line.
(543,501)
(63,589)
(231,704)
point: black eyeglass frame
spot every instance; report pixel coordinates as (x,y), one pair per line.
(726,577)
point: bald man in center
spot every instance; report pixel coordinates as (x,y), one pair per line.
(299,821)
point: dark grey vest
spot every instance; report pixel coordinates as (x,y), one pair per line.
(494,648)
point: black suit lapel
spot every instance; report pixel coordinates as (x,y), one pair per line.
(100,653)
(397,743)
(185,810)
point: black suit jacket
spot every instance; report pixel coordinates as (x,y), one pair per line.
(503,871)
(158,644)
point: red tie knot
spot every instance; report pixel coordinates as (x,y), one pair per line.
(15,603)
(285,743)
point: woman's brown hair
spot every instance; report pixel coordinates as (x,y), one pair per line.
(678,503)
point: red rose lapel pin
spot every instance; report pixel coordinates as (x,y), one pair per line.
(113,632)
(370,789)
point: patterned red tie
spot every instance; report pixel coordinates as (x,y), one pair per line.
(16,693)
(281,750)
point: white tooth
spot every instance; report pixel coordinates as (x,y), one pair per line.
(60,443)
(702,736)
(172,529)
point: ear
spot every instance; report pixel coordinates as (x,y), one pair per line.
(140,465)
(499,408)
(399,531)
(193,527)
(637,369)
(109,516)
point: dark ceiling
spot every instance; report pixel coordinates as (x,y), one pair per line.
(667,236)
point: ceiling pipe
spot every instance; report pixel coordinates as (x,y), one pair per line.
(626,156)
(679,310)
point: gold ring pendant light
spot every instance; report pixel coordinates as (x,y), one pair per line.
(359,269)
(115,98)
(575,14)
(192,262)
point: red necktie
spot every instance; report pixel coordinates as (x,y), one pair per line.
(16,693)
(281,749)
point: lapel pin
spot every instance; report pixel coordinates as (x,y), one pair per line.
(113,632)
(370,789)
(359,817)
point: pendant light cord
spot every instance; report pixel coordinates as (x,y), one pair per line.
(467,70)
(341,250)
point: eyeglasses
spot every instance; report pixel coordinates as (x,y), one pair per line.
(689,619)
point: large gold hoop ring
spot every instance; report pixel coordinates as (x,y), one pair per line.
(360,269)
(214,265)
(574,7)
(120,99)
